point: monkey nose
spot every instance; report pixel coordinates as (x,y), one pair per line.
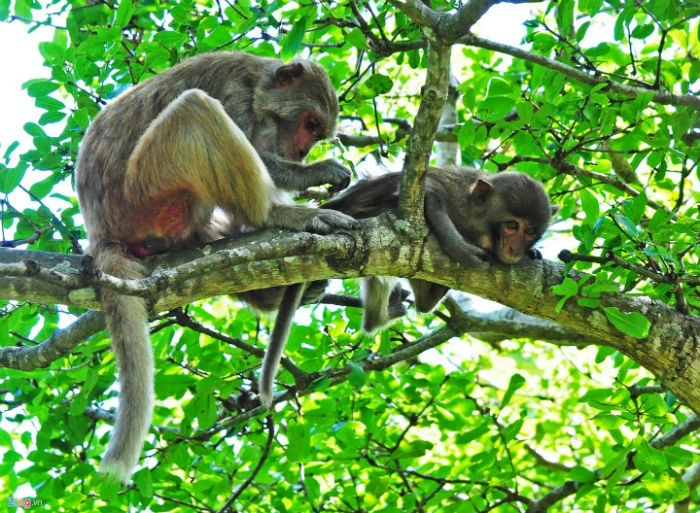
(510,256)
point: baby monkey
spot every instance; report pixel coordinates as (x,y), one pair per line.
(474,215)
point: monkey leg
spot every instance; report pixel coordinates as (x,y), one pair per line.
(194,147)
(263,299)
(379,302)
(396,308)
(269,299)
(427,294)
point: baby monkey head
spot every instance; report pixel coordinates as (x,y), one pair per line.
(518,212)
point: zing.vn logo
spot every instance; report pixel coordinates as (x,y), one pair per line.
(14,502)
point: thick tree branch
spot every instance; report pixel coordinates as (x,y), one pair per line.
(691,477)
(59,344)
(449,27)
(418,12)
(420,143)
(671,351)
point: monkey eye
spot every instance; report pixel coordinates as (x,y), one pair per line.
(531,231)
(512,225)
(312,124)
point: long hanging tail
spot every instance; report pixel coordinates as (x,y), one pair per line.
(280,333)
(127,321)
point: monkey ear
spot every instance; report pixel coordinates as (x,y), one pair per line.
(555,209)
(481,190)
(288,74)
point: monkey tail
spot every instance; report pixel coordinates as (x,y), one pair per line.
(127,322)
(280,333)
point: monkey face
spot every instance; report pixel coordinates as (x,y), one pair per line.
(515,236)
(309,129)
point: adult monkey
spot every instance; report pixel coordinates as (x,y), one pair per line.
(225,131)
(474,215)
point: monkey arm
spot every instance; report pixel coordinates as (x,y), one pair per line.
(297,176)
(451,240)
(307,219)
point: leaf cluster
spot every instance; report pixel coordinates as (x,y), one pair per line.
(601,106)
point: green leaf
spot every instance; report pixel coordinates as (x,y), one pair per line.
(51,117)
(511,431)
(292,41)
(565,16)
(590,6)
(203,408)
(170,38)
(582,475)
(10,149)
(34,130)
(588,302)
(494,108)
(4,9)
(380,83)
(40,87)
(473,434)
(357,376)
(590,205)
(609,421)
(414,449)
(627,226)
(642,31)
(11,177)
(43,187)
(356,38)
(516,382)
(144,481)
(220,36)
(312,488)
(567,287)
(498,87)
(378,485)
(350,434)
(23,8)
(525,111)
(635,209)
(633,324)
(298,431)
(648,459)
(49,103)
(124,12)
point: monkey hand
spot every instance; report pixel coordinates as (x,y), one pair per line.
(330,172)
(306,219)
(467,254)
(289,175)
(535,254)
(474,258)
